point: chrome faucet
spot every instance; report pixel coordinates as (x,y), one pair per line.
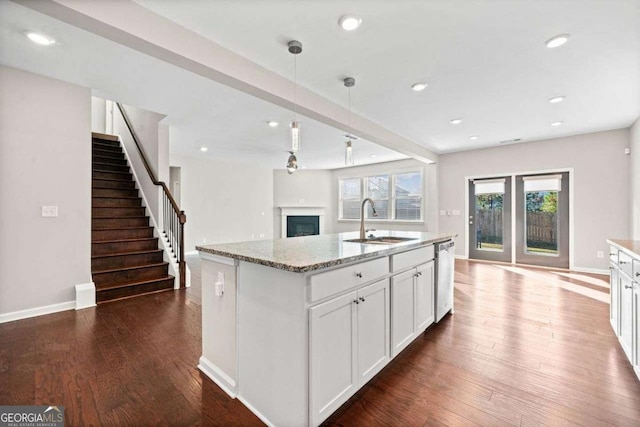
(373,208)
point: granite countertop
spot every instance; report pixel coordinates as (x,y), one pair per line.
(632,246)
(308,253)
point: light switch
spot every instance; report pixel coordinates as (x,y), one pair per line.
(219,285)
(443,212)
(49,211)
(455,212)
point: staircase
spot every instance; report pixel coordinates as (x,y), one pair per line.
(125,259)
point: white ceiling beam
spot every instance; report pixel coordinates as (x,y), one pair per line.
(132,25)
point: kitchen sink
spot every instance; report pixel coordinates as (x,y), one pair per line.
(382,240)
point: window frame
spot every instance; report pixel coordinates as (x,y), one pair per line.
(391,198)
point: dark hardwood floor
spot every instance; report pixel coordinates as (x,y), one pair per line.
(525,347)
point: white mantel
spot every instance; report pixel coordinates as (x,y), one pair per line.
(286,211)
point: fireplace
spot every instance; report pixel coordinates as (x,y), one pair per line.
(301,221)
(303,225)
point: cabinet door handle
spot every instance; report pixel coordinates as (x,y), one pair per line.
(624,262)
(628,286)
(359,275)
(356,301)
(610,268)
(638,274)
(362,299)
(612,254)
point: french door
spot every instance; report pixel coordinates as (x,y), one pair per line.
(490,219)
(540,219)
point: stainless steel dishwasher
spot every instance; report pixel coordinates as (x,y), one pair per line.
(445,259)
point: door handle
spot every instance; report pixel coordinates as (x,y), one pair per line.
(470,222)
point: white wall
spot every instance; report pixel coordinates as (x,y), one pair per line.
(98,114)
(224,201)
(45,159)
(635,180)
(430,176)
(601,185)
(303,188)
(154,139)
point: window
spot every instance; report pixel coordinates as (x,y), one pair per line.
(350,198)
(397,197)
(408,196)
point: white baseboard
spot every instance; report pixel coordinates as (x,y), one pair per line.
(461,257)
(636,369)
(224,381)
(605,272)
(85,295)
(255,412)
(191,253)
(37,311)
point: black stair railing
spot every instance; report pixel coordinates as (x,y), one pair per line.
(173,219)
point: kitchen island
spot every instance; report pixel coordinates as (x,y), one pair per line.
(294,327)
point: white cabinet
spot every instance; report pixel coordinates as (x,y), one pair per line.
(412,305)
(636,328)
(373,330)
(424,306)
(626,310)
(349,344)
(614,291)
(625,300)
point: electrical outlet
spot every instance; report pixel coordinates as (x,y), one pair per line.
(204,240)
(443,212)
(49,211)
(301,201)
(262,235)
(600,254)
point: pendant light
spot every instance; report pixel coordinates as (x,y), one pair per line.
(292,163)
(295,48)
(349,82)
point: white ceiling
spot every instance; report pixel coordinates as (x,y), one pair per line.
(485,60)
(200,111)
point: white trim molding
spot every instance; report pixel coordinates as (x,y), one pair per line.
(286,211)
(37,311)
(224,381)
(85,295)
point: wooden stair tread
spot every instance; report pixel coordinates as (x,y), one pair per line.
(125,253)
(124,240)
(103,171)
(111,179)
(134,267)
(115,197)
(121,228)
(132,284)
(104,136)
(95,163)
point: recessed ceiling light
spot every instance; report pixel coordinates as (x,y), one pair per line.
(556,99)
(40,39)
(455,121)
(204,149)
(419,86)
(272,123)
(373,155)
(350,22)
(474,137)
(557,41)
(556,124)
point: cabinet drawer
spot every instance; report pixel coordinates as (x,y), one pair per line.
(625,263)
(342,279)
(411,258)
(613,254)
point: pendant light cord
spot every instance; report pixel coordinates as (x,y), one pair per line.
(295,87)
